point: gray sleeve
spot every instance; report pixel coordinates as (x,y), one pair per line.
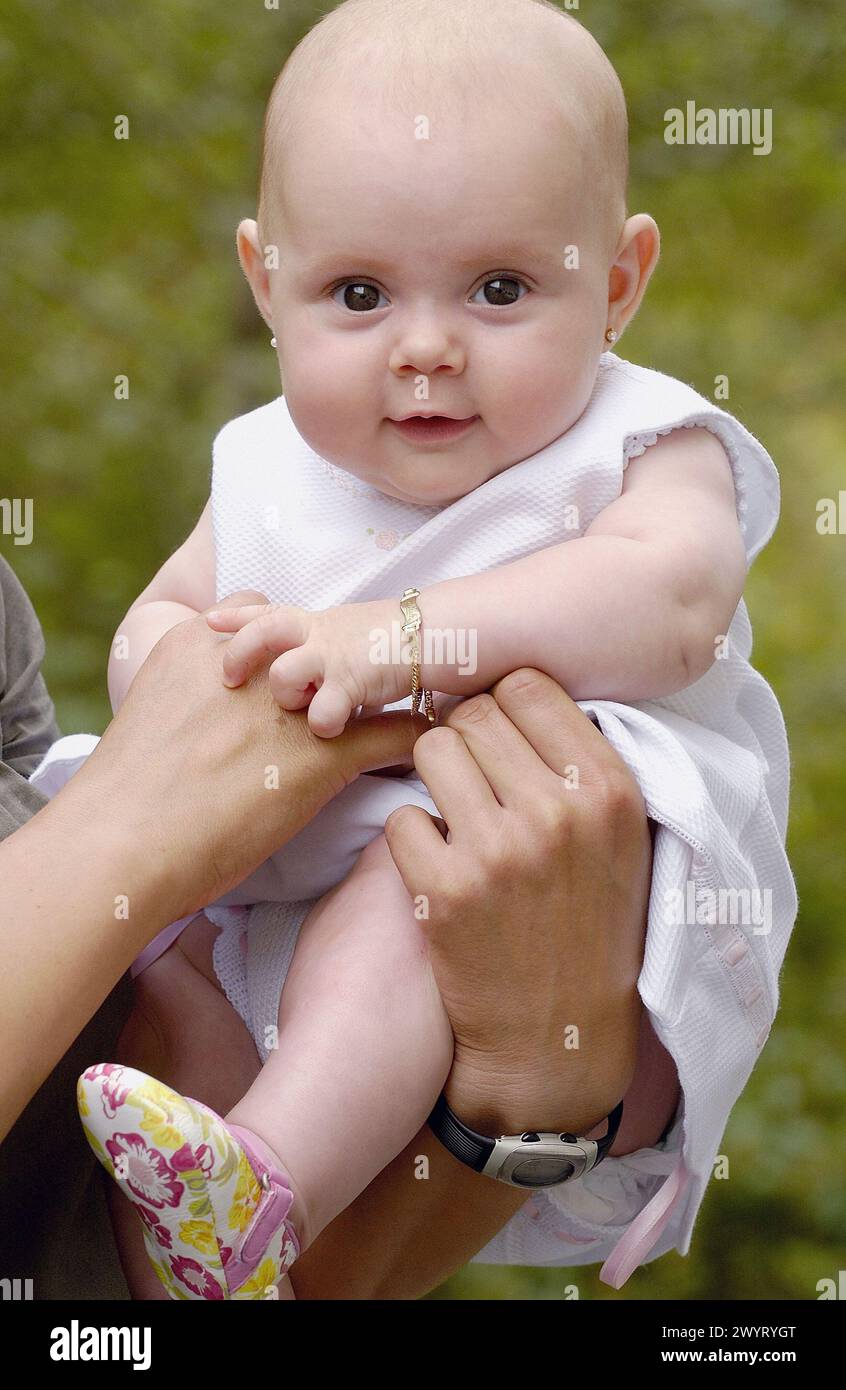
(27,718)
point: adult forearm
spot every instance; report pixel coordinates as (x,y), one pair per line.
(418,1222)
(79,902)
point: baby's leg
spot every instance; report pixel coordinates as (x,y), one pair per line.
(365,1044)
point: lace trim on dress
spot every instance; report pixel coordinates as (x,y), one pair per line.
(228,957)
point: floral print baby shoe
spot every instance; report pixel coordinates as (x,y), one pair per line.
(214,1214)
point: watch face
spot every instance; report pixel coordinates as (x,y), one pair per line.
(541,1170)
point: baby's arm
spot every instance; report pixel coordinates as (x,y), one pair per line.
(183,587)
(629,611)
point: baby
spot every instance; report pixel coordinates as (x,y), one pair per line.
(444,257)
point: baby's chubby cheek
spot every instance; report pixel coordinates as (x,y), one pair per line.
(333,399)
(540,396)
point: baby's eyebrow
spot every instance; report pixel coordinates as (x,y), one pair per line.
(506,253)
(491,257)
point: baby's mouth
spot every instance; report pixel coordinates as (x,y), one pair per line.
(433,429)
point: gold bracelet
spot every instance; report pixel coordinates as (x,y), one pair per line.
(411,627)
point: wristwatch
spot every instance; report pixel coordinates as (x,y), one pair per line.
(522,1160)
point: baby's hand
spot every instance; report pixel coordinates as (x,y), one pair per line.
(328,660)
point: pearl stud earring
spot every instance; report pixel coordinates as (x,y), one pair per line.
(610,335)
(273,342)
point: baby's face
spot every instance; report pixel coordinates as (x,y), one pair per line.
(436,277)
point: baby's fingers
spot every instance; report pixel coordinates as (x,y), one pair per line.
(293,678)
(329,710)
(270,634)
(233,619)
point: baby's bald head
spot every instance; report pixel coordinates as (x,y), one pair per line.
(439,57)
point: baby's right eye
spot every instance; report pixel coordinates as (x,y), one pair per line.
(359,296)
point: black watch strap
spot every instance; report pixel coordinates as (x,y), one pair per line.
(610,1135)
(475,1149)
(471,1148)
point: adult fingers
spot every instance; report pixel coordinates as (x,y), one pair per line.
(557,729)
(506,759)
(417,847)
(455,782)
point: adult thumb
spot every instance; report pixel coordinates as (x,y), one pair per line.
(383,740)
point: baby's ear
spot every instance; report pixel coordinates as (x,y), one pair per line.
(256,263)
(636,258)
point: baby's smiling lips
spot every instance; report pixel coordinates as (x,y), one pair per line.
(433,429)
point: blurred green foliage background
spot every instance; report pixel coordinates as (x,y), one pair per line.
(119,257)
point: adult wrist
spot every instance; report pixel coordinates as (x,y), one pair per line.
(493,1102)
(123,825)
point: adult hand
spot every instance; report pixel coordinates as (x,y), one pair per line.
(537,905)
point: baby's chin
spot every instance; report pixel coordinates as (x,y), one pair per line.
(430,479)
(430,476)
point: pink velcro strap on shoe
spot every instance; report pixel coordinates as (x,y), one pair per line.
(632,1248)
(269,1215)
(271,1212)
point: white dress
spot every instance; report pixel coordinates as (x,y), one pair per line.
(711,761)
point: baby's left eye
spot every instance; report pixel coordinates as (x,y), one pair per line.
(502,290)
